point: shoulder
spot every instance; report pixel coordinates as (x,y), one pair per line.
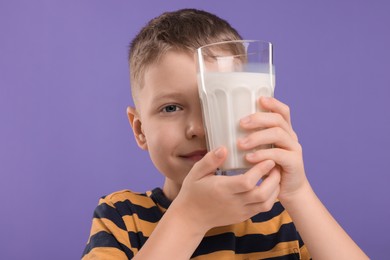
(127,197)
(127,203)
(112,231)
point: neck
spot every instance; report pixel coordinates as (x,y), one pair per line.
(171,189)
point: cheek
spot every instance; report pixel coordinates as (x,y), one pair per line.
(162,137)
(162,147)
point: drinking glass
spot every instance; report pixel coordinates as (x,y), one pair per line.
(232,75)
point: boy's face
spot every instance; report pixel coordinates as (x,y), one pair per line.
(168,119)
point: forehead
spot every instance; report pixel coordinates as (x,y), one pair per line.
(171,61)
(174,73)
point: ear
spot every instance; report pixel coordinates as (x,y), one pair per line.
(136,125)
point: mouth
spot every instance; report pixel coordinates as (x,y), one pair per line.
(194,156)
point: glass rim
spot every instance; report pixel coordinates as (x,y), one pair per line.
(234,41)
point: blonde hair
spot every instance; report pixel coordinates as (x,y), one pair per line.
(182,30)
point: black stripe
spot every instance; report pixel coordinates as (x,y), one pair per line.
(293,256)
(105,211)
(159,197)
(248,243)
(152,214)
(300,240)
(104,239)
(276,210)
(126,208)
(137,240)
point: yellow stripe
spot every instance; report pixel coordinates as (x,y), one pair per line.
(220,255)
(305,253)
(123,195)
(281,249)
(248,227)
(162,209)
(104,224)
(135,224)
(105,253)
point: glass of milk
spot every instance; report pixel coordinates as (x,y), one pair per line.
(232,76)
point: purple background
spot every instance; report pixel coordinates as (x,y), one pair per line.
(65,140)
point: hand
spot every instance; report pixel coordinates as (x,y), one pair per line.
(208,200)
(275,128)
(323,236)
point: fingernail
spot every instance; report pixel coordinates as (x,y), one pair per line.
(250,156)
(246,120)
(219,152)
(243,141)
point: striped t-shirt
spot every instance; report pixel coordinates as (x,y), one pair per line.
(123,221)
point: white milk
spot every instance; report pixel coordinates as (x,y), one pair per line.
(226,98)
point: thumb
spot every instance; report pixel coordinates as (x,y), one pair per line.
(209,163)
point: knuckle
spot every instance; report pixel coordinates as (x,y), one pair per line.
(269,205)
(295,136)
(208,163)
(260,197)
(204,165)
(279,117)
(299,147)
(245,183)
(279,131)
(261,168)
(197,165)
(286,109)
(247,214)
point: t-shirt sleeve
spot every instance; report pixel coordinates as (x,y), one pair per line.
(109,238)
(304,253)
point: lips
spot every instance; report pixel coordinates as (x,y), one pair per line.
(195,155)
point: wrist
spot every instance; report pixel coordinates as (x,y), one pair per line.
(188,218)
(296,199)
(176,236)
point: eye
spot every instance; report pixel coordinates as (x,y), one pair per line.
(171,108)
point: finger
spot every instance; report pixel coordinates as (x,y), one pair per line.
(280,156)
(209,163)
(261,120)
(270,119)
(276,106)
(276,135)
(265,190)
(248,181)
(255,208)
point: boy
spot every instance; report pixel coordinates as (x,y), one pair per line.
(198,214)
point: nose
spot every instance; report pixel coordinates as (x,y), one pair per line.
(195,128)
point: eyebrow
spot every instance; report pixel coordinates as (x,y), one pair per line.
(174,95)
